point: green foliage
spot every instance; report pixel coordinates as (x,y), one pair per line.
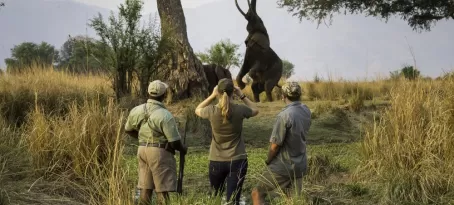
(27,54)
(287,69)
(420,15)
(82,54)
(223,53)
(153,50)
(409,72)
(133,48)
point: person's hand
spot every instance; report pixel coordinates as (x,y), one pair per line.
(215,92)
(238,91)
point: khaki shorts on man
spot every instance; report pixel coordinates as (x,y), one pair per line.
(157,169)
(156,129)
(276,184)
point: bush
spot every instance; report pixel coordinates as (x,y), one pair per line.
(356,102)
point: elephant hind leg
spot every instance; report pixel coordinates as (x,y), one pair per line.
(257,88)
(269,85)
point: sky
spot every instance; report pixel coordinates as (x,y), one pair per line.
(353,47)
(149,5)
(328,60)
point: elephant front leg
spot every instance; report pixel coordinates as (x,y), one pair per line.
(243,71)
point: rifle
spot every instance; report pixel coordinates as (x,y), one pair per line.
(182,160)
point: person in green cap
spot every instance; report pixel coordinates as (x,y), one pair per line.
(287,157)
(158,135)
(228,160)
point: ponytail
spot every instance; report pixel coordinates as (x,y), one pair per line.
(224,103)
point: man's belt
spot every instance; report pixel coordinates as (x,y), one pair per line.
(159,145)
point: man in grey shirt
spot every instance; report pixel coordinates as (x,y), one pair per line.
(287,157)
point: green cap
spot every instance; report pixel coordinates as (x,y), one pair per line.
(292,89)
(225,85)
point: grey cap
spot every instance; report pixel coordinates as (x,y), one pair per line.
(157,88)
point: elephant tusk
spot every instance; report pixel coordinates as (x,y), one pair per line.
(239,9)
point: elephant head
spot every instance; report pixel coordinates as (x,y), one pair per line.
(255,23)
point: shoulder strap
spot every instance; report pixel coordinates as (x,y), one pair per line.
(147,116)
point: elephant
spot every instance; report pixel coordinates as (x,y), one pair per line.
(261,63)
(214,73)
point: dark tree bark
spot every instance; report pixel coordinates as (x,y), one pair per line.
(185,71)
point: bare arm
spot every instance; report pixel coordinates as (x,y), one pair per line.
(272,153)
(206,102)
(277,138)
(249,103)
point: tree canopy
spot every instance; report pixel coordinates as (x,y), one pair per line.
(132,47)
(407,71)
(420,14)
(223,53)
(28,53)
(81,54)
(287,69)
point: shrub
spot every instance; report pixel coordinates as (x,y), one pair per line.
(356,102)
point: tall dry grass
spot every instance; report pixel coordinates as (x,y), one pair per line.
(66,130)
(410,151)
(335,90)
(84,150)
(55,90)
(331,90)
(12,156)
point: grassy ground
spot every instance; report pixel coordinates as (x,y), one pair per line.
(332,146)
(382,142)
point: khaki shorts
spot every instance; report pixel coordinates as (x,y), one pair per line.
(157,169)
(272,183)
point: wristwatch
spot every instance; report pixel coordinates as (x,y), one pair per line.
(242,96)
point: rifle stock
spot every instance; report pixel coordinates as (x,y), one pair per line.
(182,161)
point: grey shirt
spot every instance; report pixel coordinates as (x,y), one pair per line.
(290,133)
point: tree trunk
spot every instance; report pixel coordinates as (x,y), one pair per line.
(184,72)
